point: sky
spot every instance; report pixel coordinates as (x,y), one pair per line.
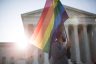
(11,26)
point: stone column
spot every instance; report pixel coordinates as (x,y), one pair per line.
(76,44)
(35,56)
(94,42)
(40,56)
(68,43)
(86,44)
(46,60)
(66,28)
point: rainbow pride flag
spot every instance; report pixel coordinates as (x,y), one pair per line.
(52,16)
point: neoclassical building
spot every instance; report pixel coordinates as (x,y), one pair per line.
(81,32)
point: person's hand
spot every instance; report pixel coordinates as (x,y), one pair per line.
(68,43)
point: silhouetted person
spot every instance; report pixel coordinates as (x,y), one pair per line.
(59,50)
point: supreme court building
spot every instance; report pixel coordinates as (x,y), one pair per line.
(81,32)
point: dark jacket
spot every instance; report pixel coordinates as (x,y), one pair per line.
(59,54)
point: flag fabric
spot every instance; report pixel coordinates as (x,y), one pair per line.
(53,15)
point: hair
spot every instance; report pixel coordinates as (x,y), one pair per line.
(60,35)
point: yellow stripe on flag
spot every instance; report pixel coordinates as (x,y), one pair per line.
(47,33)
(42,40)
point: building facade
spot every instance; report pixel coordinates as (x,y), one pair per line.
(81,32)
(10,54)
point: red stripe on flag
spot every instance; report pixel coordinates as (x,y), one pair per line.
(43,15)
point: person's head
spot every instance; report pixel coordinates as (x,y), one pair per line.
(60,37)
(61,27)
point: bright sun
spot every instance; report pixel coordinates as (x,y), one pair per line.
(22,46)
(22,43)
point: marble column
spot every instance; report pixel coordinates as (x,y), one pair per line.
(76,44)
(94,41)
(40,56)
(46,60)
(86,44)
(35,56)
(67,32)
(68,43)
(81,44)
